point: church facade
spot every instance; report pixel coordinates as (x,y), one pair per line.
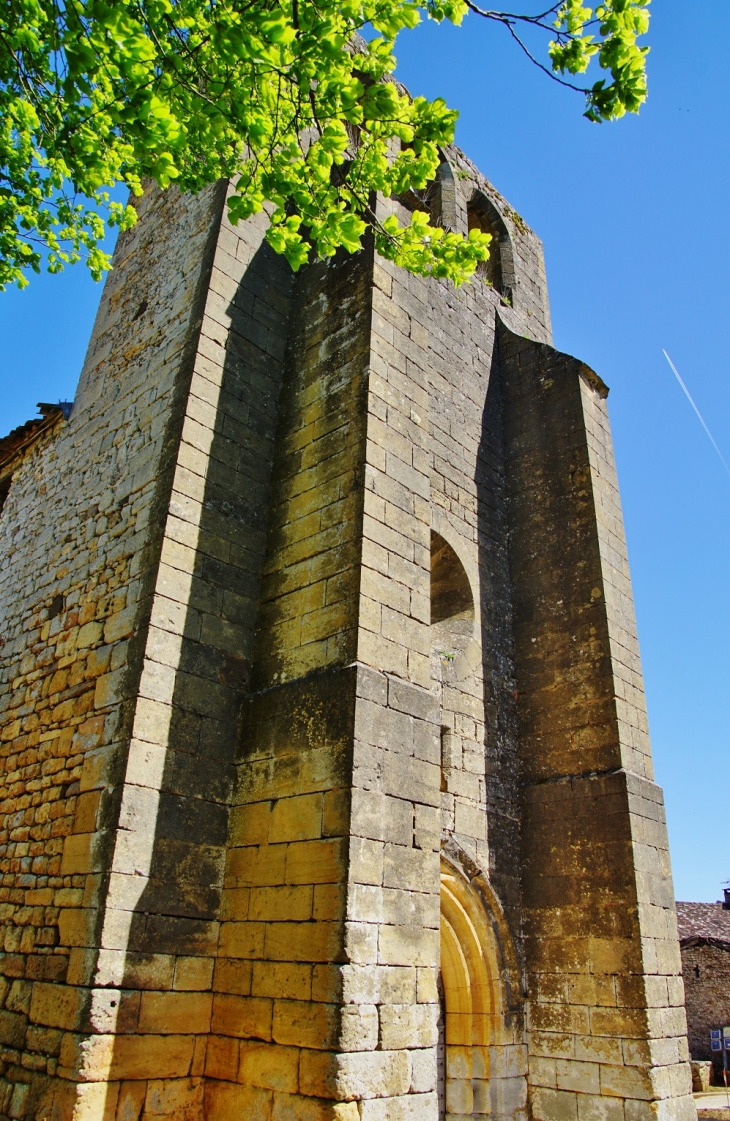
(326,781)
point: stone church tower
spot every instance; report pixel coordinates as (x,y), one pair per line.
(326,785)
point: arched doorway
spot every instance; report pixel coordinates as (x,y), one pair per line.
(472,1001)
(481,1060)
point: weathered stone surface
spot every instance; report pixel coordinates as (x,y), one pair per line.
(327,790)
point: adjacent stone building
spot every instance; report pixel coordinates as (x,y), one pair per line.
(326,783)
(704,939)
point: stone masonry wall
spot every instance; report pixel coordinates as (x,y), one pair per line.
(456,330)
(284,897)
(706,970)
(393,892)
(239,743)
(393,882)
(141,991)
(162,920)
(606,1005)
(78,539)
(307,618)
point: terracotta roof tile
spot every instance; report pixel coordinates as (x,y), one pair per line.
(26,433)
(703,920)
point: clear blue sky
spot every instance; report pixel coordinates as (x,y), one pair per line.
(636,225)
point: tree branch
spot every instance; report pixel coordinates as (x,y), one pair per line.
(507,19)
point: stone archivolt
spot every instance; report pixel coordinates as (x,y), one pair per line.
(320,696)
(473,1002)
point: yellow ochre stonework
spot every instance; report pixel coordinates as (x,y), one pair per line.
(326,782)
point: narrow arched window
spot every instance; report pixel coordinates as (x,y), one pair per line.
(438,199)
(452,623)
(479,218)
(451,596)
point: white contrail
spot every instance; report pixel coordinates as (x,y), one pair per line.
(699,414)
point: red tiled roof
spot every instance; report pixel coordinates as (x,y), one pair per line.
(26,433)
(703,920)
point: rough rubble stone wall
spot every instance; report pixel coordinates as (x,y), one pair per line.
(79,541)
(706,971)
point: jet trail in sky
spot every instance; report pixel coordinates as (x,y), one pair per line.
(699,414)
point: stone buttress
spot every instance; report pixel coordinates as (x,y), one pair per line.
(326,784)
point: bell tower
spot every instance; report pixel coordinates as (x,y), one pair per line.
(326,781)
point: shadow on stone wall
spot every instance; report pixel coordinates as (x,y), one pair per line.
(501,748)
(174,932)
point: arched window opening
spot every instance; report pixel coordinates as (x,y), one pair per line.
(453,653)
(451,596)
(437,199)
(445,200)
(426,200)
(478,218)
(499,269)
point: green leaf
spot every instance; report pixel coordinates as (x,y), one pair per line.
(277,96)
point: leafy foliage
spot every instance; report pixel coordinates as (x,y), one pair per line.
(278,93)
(619,25)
